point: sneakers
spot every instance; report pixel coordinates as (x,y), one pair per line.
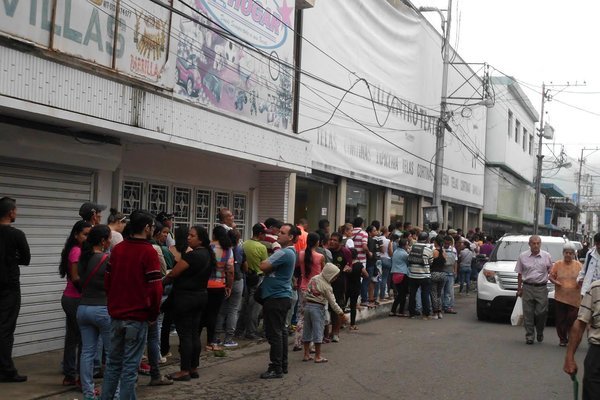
(162,360)
(230,343)
(440,315)
(271,375)
(434,316)
(335,338)
(540,338)
(162,381)
(450,311)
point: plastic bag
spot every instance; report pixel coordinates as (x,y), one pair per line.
(516,318)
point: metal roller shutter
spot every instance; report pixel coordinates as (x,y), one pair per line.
(48,201)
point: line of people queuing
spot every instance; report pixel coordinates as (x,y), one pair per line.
(129,282)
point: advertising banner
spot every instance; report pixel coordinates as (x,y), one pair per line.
(373,114)
(247,77)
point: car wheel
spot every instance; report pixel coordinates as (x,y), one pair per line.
(189,86)
(482,312)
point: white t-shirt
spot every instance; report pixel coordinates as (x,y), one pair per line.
(115,239)
(349,243)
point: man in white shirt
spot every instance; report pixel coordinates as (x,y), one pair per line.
(591,267)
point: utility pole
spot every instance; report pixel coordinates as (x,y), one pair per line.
(540,157)
(538,182)
(442,121)
(581,161)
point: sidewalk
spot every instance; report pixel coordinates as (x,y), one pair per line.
(45,378)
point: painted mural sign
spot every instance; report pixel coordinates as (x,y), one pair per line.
(87,29)
(250,77)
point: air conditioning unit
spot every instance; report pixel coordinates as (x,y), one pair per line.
(302,4)
(548,132)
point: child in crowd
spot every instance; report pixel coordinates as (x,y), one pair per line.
(318,294)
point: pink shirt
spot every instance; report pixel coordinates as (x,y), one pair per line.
(71,290)
(360,237)
(534,268)
(315,269)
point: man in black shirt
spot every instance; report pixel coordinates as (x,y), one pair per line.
(14,251)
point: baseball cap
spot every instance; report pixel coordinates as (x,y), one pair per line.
(87,209)
(163,216)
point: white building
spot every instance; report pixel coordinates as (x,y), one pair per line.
(156,111)
(372,117)
(510,153)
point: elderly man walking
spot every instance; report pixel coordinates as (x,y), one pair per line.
(533,267)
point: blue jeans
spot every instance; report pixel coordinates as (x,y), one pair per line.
(94,322)
(229,312)
(364,288)
(127,342)
(448,297)
(154,349)
(382,289)
(464,277)
(425,285)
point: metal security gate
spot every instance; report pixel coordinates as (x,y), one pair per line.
(48,201)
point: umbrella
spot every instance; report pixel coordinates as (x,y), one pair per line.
(575,386)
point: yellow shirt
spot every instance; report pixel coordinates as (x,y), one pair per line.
(566,274)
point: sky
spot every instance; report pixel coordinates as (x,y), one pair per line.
(535,41)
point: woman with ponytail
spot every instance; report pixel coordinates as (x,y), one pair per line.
(189,299)
(116,222)
(69,259)
(92,313)
(219,284)
(311,264)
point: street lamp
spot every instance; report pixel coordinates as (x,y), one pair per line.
(442,124)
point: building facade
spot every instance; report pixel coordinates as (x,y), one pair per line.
(511,151)
(372,115)
(136,105)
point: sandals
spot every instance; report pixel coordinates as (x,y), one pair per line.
(321,360)
(310,358)
(393,314)
(182,378)
(213,347)
(353,328)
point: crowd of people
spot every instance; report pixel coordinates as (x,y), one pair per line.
(134,281)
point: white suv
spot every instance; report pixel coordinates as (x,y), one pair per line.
(497,282)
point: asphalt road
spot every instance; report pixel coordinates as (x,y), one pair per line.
(395,358)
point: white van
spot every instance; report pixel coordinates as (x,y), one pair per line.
(497,282)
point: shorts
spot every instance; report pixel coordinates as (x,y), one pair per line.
(314,323)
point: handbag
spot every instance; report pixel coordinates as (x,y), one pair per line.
(91,275)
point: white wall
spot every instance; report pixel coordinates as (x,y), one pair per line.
(502,149)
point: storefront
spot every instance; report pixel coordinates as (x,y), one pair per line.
(52,176)
(403,207)
(316,197)
(363,200)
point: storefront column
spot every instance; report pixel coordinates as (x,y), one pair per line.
(420,219)
(340,213)
(445,213)
(103,189)
(387,206)
(465,224)
(291,199)
(480,223)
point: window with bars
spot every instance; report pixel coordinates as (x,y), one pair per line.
(203,207)
(132,196)
(189,205)
(182,202)
(158,198)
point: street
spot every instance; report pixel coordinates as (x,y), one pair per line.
(395,358)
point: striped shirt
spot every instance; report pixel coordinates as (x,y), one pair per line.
(420,270)
(589,312)
(360,237)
